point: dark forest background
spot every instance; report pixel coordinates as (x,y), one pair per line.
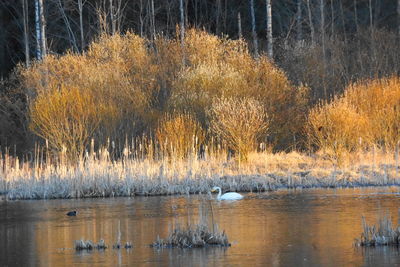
(324,44)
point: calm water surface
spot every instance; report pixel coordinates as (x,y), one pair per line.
(284,228)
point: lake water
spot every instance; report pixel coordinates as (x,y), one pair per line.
(284,228)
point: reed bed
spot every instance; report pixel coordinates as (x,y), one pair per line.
(383,234)
(102,176)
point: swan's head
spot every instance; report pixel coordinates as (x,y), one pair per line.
(215,189)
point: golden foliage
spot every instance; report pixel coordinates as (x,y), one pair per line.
(367,114)
(137,81)
(179,135)
(67,118)
(239,122)
(337,128)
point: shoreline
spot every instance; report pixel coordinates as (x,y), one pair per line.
(264,172)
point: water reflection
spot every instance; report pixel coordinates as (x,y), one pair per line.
(284,228)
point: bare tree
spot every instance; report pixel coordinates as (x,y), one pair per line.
(322,5)
(398,15)
(42,29)
(38,31)
(298,21)
(310,21)
(269,29)
(182,28)
(80,9)
(113,21)
(70,32)
(240,26)
(217,17)
(253,28)
(26,25)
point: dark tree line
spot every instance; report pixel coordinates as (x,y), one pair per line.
(72,24)
(325,44)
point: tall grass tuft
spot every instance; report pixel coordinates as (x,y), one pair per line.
(192,236)
(384,234)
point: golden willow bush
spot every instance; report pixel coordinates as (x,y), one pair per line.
(179,135)
(367,114)
(135,81)
(67,118)
(220,67)
(240,122)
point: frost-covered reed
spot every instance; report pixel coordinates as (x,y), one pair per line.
(203,233)
(383,234)
(129,176)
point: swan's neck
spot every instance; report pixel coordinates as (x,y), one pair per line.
(219,193)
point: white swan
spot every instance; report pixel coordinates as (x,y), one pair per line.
(226,196)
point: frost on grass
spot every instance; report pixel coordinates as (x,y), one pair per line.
(383,234)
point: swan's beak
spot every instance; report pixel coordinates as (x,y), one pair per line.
(213,190)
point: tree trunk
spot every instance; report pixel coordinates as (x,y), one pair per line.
(153,21)
(240,26)
(182,29)
(332,19)
(253,28)
(42,29)
(112,17)
(141,18)
(299,35)
(269,29)
(343,21)
(80,8)
(321,5)
(311,23)
(356,15)
(398,15)
(26,25)
(217,16)
(38,31)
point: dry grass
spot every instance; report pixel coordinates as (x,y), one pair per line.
(179,135)
(239,122)
(384,234)
(98,176)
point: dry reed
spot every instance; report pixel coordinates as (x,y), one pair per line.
(384,234)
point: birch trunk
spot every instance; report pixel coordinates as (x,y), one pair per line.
(253,28)
(42,29)
(182,29)
(270,44)
(37,31)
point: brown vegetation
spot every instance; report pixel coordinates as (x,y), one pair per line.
(364,117)
(121,87)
